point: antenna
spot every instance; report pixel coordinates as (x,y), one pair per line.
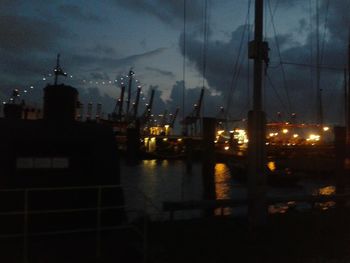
(58,70)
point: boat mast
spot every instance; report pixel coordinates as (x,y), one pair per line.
(318,69)
(347,90)
(258,50)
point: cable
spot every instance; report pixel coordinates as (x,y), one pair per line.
(280,58)
(325,29)
(235,67)
(205,43)
(275,90)
(184,63)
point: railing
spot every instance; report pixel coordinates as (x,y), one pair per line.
(98,208)
(173,207)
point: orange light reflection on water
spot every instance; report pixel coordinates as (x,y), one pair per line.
(222,187)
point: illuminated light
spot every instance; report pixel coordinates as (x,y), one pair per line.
(44,78)
(295,135)
(179,140)
(110,82)
(11,99)
(226,141)
(4,102)
(121,78)
(276,133)
(71,76)
(115,80)
(31,87)
(50,75)
(227,148)
(215,141)
(313,137)
(267,143)
(285,131)
(271,166)
(165,139)
(325,128)
(103,82)
(328,190)
(166,126)
(231,131)
(122,83)
(246,140)
(271,134)
(220,132)
(153,139)
(25,91)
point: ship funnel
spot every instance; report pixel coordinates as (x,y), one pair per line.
(60,103)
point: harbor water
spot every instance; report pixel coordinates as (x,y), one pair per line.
(152,182)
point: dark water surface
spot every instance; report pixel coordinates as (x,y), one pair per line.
(153,182)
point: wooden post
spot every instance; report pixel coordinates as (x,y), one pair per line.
(340,154)
(208,161)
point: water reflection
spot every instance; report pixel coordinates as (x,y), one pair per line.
(223,187)
(327,190)
(157,181)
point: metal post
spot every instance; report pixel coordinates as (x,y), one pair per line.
(208,162)
(347,88)
(25,227)
(340,154)
(257,208)
(98,223)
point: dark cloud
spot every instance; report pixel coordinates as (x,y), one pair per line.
(159,105)
(211,103)
(297,92)
(111,63)
(24,34)
(169,11)
(161,72)
(76,12)
(99,76)
(338,19)
(220,60)
(103,50)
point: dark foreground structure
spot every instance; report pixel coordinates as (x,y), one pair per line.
(59,183)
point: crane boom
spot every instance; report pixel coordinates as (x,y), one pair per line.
(136,105)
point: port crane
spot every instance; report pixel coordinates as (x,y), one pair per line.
(146,116)
(173,118)
(193,118)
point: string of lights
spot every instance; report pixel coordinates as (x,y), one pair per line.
(25,90)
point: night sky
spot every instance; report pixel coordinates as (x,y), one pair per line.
(100,40)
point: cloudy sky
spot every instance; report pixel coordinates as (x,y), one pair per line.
(99,41)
